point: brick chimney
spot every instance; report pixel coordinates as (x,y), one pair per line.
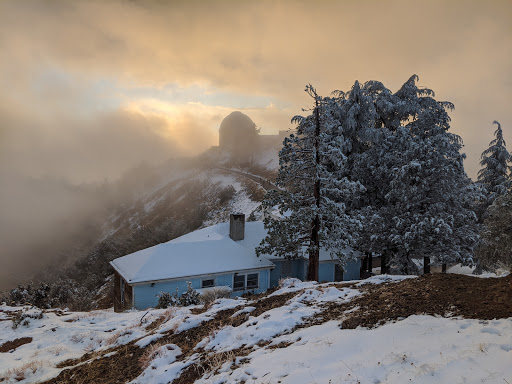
(237,226)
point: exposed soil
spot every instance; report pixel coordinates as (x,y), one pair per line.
(123,366)
(13,344)
(436,294)
(433,294)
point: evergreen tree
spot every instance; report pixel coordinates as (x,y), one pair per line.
(378,171)
(419,197)
(312,189)
(497,235)
(495,162)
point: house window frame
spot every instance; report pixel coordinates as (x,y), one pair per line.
(234,286)
(245,287)
(208,279)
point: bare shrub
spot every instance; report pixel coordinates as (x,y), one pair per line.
(288,282)
(208,296)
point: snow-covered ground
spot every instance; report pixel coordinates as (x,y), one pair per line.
(59,336)
(279,344)
(419,349)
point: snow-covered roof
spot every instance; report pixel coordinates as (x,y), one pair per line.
(205,251)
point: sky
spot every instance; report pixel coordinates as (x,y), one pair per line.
(92,88)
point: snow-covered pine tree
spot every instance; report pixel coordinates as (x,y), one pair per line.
(382,118)
(496,244)
(496,167)
(312,189)
(420,205)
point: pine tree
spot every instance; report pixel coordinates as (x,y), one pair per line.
(495,162)
(378,171)
(419,197)
(312,189)
(497,234)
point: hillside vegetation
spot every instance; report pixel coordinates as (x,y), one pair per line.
(428,329)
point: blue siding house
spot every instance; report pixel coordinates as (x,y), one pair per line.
(222,255)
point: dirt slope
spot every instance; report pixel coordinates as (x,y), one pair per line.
(438,294)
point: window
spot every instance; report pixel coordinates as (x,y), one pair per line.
(252,281)
(208,283)
(249,281)
(239,283)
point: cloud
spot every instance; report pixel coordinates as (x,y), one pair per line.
(271,49)
(92,88)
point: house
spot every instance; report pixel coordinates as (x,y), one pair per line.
(219,255)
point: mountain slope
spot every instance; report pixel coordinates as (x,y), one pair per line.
(160,204)
(360,332)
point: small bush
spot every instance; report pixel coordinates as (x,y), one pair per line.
(208,296)
(189,297)
(23,317)
(60,293)
(167,299)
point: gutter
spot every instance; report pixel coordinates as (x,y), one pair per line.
(248,270)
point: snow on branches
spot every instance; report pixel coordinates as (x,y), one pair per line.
(377,171)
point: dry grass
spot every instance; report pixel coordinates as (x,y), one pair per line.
(113,338)
(167,315)
(151,353)
(20,373)
(55,351)
(213,362)
(88,316)
(80,337)
(128,330)
(122,366)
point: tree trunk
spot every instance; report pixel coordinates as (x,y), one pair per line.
(370,262)
(426,265)
(314,254)
(364,265)
(383,264)
(478,269)
(443,268)
(314,260)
